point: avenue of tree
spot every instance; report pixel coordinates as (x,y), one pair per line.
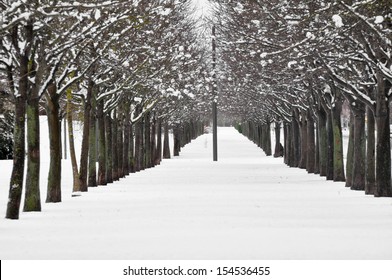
(293,64)
(127,69)
(131,70)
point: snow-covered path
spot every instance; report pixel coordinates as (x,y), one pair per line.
(245,206)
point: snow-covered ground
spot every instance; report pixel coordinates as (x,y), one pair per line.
(245,206)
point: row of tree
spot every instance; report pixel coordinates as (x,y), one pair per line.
(128,68)
(295,63)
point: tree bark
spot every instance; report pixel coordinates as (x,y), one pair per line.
(53,113)
(85,141)
(370,183)
(158,154)
(166,146)
(176,140)
(127,125)
(359,167)
(32,193)
(322,136)
(338,164)
(109,149)
(115,147)
(75,172)
(16,182)
(304,142)
(101,145)
(350,152)
(330,147)
(92,157)
(278,146)
(131,149)
(311,146)
(383,146)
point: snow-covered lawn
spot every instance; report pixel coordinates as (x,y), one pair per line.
(245,206)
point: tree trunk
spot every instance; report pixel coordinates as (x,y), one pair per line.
(153,148)
(92,157)
(350,153)
(338,164)
(330,149)
(323,145)
(370,183)
(120,144)
(101,145)
(267,147)
(109,149)
(317,152)
(383,147)
(127,125)
(310,155)
(158,154)
(75,172)
(359,167)
(54,177)
(287,143)
(166,146)
(32,195)
(147,140)
(176,138)
(131,149)
(115,147)
(278,146)
(139,145)
(304,142)
(16,182)
(296,149)
(85,141)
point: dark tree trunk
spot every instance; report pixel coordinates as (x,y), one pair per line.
(153,148)
(101,145)
(16,182)
(147,140)
(330,149)
(166,146)
(85,141)
(296,149)
(317,152)
(131,149)
(139,145)
(370,183)
(109,149)
(383,147)
(338,164)
(311,146)
(75,171)
(115,174)
(278,146)
(350,153)
(158,154)
(120,144)
(32,195)
(304,142)
(323,145)
(127,125)
(287,146)
(267,146)
(359,167)
(176,140)
(54,177)
(92,157)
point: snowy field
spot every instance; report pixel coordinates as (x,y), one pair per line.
(245,206)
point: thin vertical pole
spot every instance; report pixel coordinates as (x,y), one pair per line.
(214,102)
